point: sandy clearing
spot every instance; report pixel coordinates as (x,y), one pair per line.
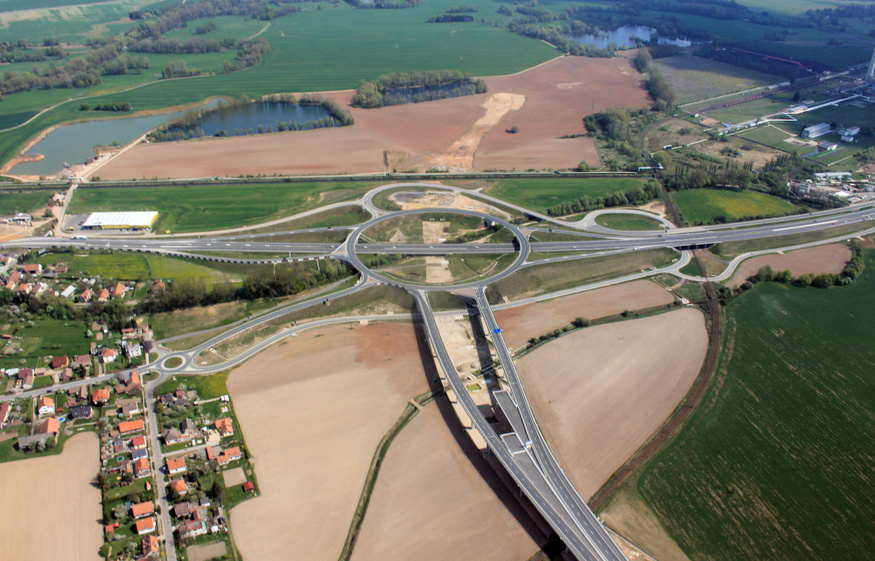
(50,509)
(633,519)
(444,200)
(431,500)
(521,323)
(205,552)
(234,477)
(601,392)
(313,411)
(815,260)
(462,344)
(557,96)
(460,155)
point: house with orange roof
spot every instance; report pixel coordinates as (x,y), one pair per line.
(49,426)
(145,525)
(86,295)
(140,510)
(141,468)
(150,546)
(126,427)
(118,290)
(110,528)
(175,465)
(15,277)
(225,426)
(179,486)
(99,397)
(108,355)
(10,285)
(103,295)
(5,407)
(229,455)
(138,443)
(33,268)
(45,406)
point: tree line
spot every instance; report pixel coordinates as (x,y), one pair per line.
(382,4)
(399,88)
(657,85)
(632,197)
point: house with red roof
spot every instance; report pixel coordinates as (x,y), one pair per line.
(175,465)
(108,355)
(179,486)
(49,426)
(118,290)
(151,546)
(140,510)
(126,427)
(100,397)
(225,426)
(45,406)
(5,407)
(59,362)
(141,468)
(145,525)
(248,487)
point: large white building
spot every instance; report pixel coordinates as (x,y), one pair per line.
(814,131)
(120,220)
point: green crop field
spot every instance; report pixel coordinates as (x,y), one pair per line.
(775,138)
(628,222)
(47,337)
(135,266)
(790,7)
(703,206)
(22,201)
(693,78)
(541,194)
(211,207)
(777,461)
(14,5)
(314,50)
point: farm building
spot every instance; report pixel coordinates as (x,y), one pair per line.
(120,220)
(814,131)
(826,146)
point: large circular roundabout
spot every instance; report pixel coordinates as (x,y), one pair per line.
(378,230)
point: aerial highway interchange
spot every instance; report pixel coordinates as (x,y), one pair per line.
(524,453)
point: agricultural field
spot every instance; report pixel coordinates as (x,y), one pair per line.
(693,78)
(44,338)
(541,194)
(306,55)
(707,206)
(790,7)
(721,487)
(778,138)
(132,267)
(63,484)
(210,207)
(22,201)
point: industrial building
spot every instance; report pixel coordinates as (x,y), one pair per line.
(120,220)
(814,131)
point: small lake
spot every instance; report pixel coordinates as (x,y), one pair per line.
(74,144)
(624,37)
(245,119)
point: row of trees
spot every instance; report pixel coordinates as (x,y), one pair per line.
(382,4)
(657,85)
(632,197)
(450,18)
(262,282)
(399,88)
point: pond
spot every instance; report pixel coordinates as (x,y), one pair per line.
(74,144)
(624,37)
(245,119)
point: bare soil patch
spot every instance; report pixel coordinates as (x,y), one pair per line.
(462,132)
(313,411)
(656,207)
(521,323)
(234,477)
(445,200)
(815,260)
(205,552)
(50,509)
(633,519)
(600,393)
(431,500)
